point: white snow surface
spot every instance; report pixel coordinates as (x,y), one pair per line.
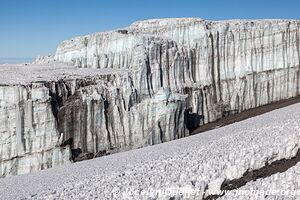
(194,163)
(284,185)
(15,74)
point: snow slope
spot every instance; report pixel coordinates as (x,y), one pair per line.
(194,163)
(284,185)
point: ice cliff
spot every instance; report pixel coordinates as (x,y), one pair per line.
(59,113)
(223,66)
(151,82)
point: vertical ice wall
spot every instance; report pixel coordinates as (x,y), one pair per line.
(54,122)
(223,66)
(29,139)
(178,74)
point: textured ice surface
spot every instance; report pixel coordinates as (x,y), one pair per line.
(197,162)
(25,74)
(223,66)
(47,110)
(151,82)
(284,185)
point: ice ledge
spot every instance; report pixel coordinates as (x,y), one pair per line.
(165,22)
(23,74)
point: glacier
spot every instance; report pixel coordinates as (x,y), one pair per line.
(278,186)
(199,163)
(223,66)
(65,110)
(152,82)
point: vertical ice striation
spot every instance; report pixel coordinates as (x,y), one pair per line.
(178,74)
(28,133)
(226,66)
(49,123)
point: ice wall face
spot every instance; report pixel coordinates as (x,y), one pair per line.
(29,139)
(223,66)
(163,78)
(111,113)
(48,123)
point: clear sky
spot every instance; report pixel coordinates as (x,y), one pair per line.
(35,27)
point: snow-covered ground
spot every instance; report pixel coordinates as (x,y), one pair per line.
(190,165)
(284,185)
(4,60)
(12,74)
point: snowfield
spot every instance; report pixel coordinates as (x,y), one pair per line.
(197,163)
(284,185)
(14,74)
(152,82)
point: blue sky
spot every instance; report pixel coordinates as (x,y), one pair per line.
(35,27)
